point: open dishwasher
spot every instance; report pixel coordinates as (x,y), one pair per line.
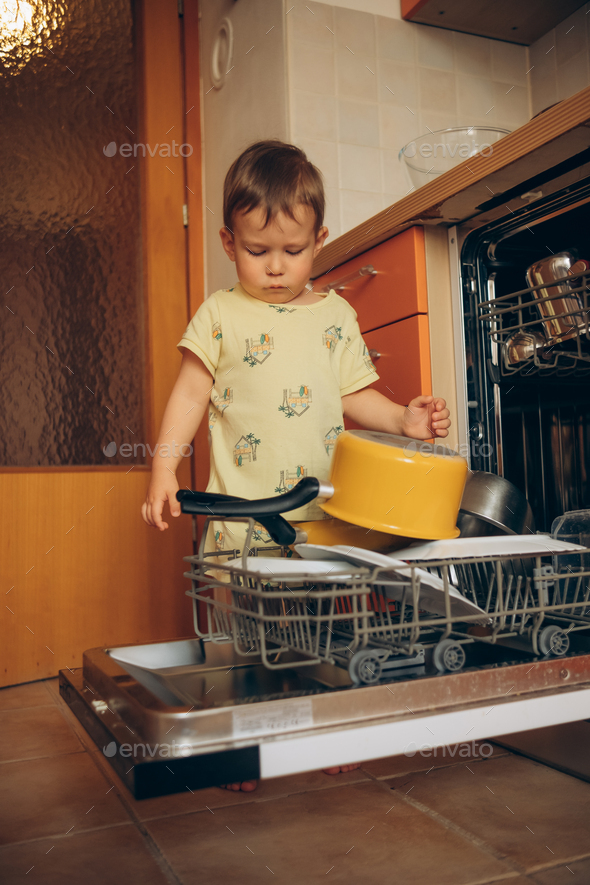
(293,670)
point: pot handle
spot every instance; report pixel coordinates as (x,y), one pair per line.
(265,510)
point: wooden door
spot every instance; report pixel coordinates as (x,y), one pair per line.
(79,568)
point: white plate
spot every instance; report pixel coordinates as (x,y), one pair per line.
(494,545)
(432,594)
(270,567)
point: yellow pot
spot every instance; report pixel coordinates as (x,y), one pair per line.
(335,531)
(396,485)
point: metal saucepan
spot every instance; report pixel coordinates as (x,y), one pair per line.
(493,505)
(562,314)
(379,481)
(522,347)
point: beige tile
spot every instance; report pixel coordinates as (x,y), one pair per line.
(47,797)
(357,206)
(432,121)
(475,97)
(35,731)
(360,168)
(324,155)
(524,810)
(435,48)
(358,123)
(395,39)
(332,213)
(509,62)
(572,76)
(356,75)
(576,871)
(117,855)
(438,91)
(310,70)
(397,83)
(571,36)
(395,177)
(356,834)
(543,92)
(311,23)
(542,54)
(471,753)
(511,104)
(355,29)
(32,694)
(473,55)
(398,126)
(314,116)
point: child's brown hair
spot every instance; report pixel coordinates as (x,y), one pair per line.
(274,176)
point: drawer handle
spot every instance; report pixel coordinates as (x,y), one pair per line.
(367,271)
(375,355)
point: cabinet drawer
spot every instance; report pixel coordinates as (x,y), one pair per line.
(404,360)
(396,291)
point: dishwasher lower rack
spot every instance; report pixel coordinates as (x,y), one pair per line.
(372,622)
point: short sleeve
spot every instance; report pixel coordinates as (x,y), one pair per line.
(203,335)
(356,367)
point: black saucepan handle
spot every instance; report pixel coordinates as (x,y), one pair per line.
(267,511)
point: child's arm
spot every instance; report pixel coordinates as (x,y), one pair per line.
(423,418)
(187,405)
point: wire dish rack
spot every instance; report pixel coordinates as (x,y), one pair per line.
(371,620)
(559,323)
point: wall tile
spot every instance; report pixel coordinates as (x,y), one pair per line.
(310,70)
(356,75)
(398,126)
(394,175)
(313,27)
(433,121)
(355,29)
(435,47)
(572,76)
(571,36)
(358,206)
(511,104)
(473,55)
(542,55)
(543,92)
(397,83)
(395,40)
(324,155)
(509,62)
(360,168)
(358,123)
(332,214)
(314,116)
(475,97)
(438,91)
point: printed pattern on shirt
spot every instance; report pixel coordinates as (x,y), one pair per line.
(296,402)
(330,438)
(216,331)
(332,335)
(223,401)
(258,349)
(245,449)
(289,479)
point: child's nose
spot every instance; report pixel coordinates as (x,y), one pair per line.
(274,265)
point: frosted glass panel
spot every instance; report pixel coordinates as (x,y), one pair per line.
(71,334)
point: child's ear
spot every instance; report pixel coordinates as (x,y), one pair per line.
(320,240)
(227,241)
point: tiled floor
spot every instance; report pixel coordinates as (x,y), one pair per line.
(449,819)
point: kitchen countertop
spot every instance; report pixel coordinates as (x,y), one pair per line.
(473,188)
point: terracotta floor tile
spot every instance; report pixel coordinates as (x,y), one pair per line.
(33,694)
(46,797)
(458,754)
(117,855)
(213,797)
(578,873)
(497,800)
(35,731)
(353,833)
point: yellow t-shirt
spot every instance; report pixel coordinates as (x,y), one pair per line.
(280,372)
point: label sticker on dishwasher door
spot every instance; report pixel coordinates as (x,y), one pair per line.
(280,716)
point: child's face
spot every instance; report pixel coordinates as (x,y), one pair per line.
(274,263)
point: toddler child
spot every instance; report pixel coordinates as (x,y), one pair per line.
(276,364)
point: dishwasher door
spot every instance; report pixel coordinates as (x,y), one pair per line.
(187,714)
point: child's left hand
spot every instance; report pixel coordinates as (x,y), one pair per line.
(426,417)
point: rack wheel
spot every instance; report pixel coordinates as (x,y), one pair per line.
(365,667)
(553,641)
(448,655)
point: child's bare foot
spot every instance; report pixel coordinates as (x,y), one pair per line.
(244,786)
(341,768)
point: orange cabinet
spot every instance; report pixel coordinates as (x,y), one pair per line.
(396,291)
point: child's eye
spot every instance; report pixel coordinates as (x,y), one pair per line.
(295,253)
(255,253)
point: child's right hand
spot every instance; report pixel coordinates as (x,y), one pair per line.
(160,490)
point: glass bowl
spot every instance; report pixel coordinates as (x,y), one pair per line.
(430,155)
